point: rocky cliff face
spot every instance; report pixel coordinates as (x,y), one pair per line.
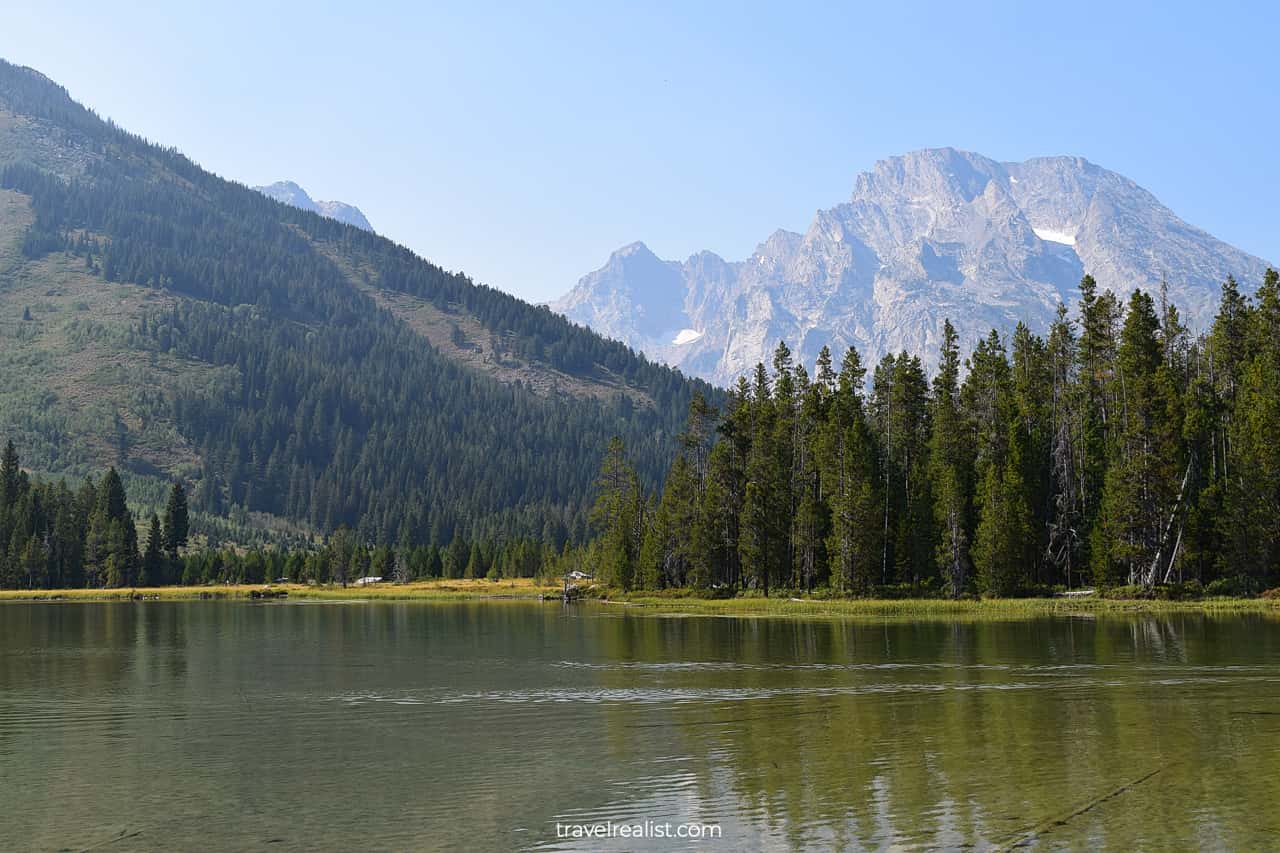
(290,193)
(930,235)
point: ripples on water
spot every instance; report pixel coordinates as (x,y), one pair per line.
(408,726)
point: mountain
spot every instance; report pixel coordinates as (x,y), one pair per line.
(290,193)
(926,236)
(297,373)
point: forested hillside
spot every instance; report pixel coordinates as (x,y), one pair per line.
(1118,451)
(53,536)
(181,326)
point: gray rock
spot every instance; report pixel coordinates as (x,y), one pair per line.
(927,236)
(290,193)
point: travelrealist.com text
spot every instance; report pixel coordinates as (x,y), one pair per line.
(642,830)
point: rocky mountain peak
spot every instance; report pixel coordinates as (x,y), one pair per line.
(929,174)
(634,249)
(925,236)
(290,193)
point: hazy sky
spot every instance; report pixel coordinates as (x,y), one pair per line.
(522,143)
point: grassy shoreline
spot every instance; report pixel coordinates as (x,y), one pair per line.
(451,590)
(943,608)
(525,589)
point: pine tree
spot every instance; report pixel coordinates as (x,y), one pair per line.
(455,558)
(753,543)
(1252,506)
(1032,383)
(1003,542)
(949,471)
(882,411)
(782,468)
(9,477)
(95,549)
(1064,536)
(716,545)
(1141,486)
(176,521)
(684,501)
(619,514)
(384,564)
(679,522)
(650,572)
(1095,397)
(111,498)
(1002,545)
(341,551)
(67,542)
(112,539)
(152,571)
(812,514)
(116,567)
(34,564)
(851,472)
(476,567)
(696,440)
(766,505)
(900,411)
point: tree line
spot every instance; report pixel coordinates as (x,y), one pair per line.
(1118,450)
(52,536)
(345,558)
(56,537)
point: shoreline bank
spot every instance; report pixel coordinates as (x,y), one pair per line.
(528,590)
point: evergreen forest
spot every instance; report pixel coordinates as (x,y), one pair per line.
(1119,451)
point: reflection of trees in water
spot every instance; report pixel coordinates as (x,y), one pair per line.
(939,734)
(1159,638)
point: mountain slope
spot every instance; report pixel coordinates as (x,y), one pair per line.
(926,236)
(290,193)
(279,361)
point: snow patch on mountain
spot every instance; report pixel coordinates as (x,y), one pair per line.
(1055,236)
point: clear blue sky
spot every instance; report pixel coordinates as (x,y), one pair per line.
(523,142)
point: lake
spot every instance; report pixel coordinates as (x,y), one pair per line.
(509,725)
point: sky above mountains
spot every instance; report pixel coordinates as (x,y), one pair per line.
(523,145)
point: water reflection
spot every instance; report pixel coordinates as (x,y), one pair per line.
(409,726)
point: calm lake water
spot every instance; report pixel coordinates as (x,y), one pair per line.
(300,726)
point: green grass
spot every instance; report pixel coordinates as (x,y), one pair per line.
(526,589)
(438,590)
(435,590)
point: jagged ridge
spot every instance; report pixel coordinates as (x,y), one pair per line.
(290,193)
(928,235)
